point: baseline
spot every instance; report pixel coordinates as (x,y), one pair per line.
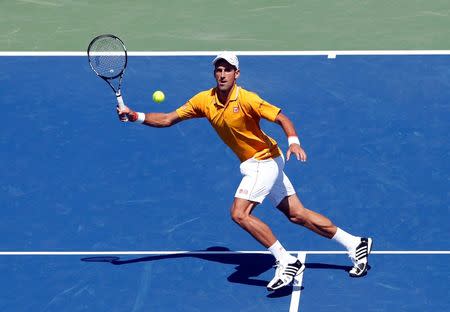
(330,53)
(161,252)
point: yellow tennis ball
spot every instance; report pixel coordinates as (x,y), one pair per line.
(158,96)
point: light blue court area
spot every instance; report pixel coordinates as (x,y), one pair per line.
(376,130)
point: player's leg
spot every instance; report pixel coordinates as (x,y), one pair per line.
(358,248)
(294,210)
(241,213)
(283,196)
(287,266)
(258,179)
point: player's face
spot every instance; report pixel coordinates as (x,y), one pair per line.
(226,75)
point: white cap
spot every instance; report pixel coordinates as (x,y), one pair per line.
(230,57)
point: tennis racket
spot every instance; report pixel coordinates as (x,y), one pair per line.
(107,56)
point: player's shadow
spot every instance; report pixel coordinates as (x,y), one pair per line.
(248,266)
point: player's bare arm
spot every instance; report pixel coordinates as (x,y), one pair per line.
(289,130)
(158,120)
(161,120)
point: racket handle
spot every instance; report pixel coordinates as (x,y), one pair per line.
(121,106)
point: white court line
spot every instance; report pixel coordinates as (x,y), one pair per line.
(297,287)
(163,252)
(330,53)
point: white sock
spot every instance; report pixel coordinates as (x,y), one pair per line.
(280,253)
(345,239)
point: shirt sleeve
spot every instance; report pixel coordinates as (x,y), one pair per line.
(192,108)
(262,108)
(269,111)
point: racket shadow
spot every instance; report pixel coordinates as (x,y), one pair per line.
(247,266)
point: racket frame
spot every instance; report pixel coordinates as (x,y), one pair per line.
(109,80)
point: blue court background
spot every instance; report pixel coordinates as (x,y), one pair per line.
(376,130)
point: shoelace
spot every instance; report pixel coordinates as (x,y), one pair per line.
(279,268)
(352,256)
(278,265)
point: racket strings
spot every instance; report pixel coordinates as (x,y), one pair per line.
(107,57)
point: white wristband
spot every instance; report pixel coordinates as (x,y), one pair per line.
(293,140)
(141,117)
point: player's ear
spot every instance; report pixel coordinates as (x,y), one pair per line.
(237,73)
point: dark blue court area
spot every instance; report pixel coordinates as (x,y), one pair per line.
(73,178)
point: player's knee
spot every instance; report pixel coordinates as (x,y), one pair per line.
(298,217)
(238,216)
(297,220)
(241,211)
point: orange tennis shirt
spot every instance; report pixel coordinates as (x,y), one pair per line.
(237,121)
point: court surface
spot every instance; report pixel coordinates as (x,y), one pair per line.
(74,179)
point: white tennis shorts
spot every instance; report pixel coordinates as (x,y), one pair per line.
(264,178)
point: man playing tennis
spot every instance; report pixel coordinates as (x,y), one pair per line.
(235,114)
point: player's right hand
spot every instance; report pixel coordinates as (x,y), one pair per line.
(123,112)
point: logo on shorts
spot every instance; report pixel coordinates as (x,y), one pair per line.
(235,109)
(243,191)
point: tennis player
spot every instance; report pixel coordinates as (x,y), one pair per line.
(235,114)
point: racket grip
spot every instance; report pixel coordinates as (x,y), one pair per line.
(121,106)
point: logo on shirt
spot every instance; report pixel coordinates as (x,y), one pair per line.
(235,109)
(243,191)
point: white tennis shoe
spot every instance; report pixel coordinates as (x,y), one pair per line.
(360,257)
(284,274)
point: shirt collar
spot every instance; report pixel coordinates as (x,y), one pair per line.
(233,96)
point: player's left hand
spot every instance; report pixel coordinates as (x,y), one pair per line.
(297,151)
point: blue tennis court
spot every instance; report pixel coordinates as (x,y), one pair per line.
(74,179)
